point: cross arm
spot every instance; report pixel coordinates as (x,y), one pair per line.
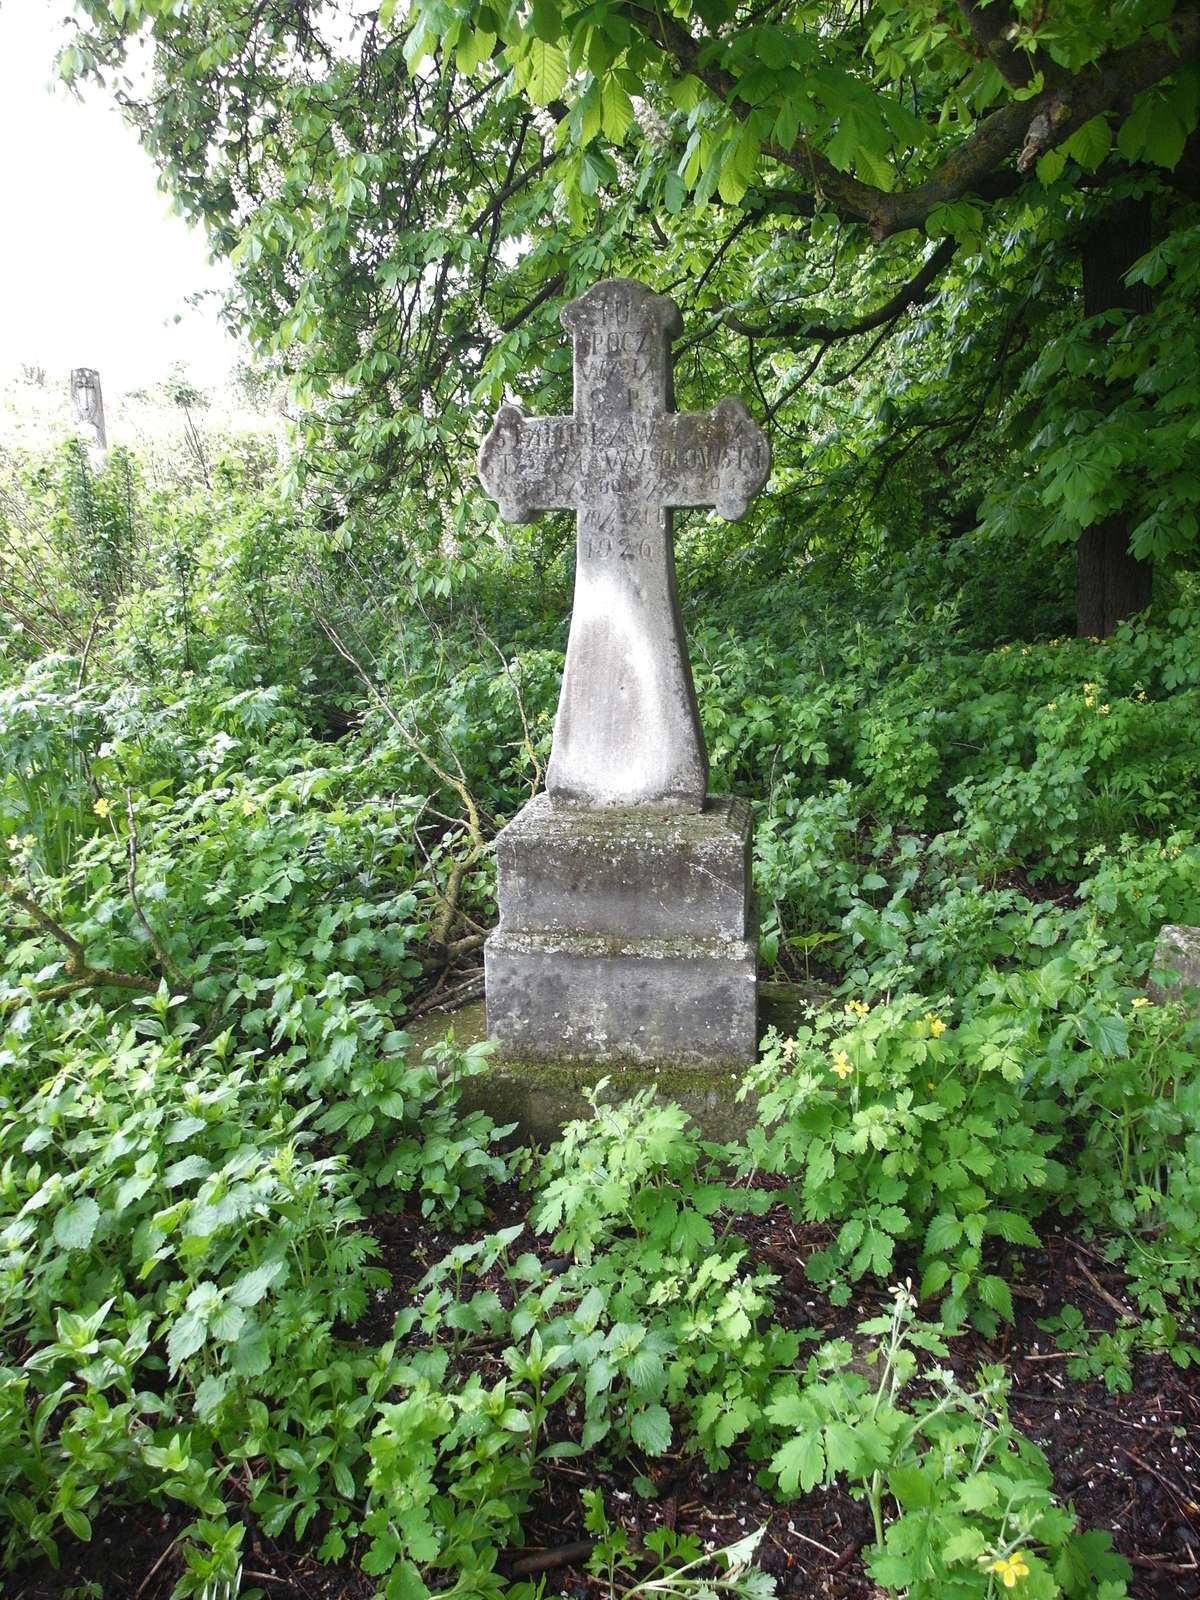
(530,464)
(713,458)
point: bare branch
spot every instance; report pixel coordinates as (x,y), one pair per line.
(911,293)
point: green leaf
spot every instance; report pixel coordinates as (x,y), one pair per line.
(842,1450)
(1012,1227)
(912,1487)
(547,20)
(994,1292)
(187,1334)
(650,1430)
(406,1583)
(966,1545)
(1108,1033)
(979,1492)
(616,109)
(545,72)
(934,1278)
(75,1224)
(944,1233)
(800,1463)
(1051,166)
(1088,145)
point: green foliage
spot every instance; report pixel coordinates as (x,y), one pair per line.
(781,174)
(229,854)
(973,1498)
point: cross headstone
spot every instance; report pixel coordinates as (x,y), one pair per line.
(628,730)
(626,919)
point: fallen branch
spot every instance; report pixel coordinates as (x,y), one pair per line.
(566,1555)
(81,973)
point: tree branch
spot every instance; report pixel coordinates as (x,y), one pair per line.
(911,293)
(81,973)
(990,25)
(164,960)
(1025,128)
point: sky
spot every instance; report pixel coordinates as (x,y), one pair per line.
(94,268)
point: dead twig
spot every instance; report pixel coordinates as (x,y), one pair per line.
(565,1555)
(81,973)
(168,966)
(146,1581)
(1109,1299)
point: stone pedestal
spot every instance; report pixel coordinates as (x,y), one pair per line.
(626,935)
(1178,953)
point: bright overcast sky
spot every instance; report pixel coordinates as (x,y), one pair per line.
(94,268)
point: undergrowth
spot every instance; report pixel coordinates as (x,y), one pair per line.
(241,837)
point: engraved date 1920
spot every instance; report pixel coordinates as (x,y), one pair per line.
(624,548)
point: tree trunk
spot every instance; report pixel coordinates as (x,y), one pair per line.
(1110,584)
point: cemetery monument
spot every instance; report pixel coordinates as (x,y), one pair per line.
(87,400)
(627,926)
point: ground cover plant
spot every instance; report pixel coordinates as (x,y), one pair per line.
(245,839)
(283,1312)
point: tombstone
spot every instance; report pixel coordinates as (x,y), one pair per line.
(88,404)
(626,920)
(1177,957)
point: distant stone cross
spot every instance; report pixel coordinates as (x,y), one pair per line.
(628,731)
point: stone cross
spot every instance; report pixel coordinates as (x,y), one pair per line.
(628,730)
(88,403)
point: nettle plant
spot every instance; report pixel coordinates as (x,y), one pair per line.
(176,1250)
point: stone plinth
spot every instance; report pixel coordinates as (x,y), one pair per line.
(625,936)
(1178,953)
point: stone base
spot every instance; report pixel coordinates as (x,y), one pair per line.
(542,1098)
(580,997)
(625,936)
(1178,954)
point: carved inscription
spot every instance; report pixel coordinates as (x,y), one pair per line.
(556,456)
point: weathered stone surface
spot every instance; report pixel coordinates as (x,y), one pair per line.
(625,919)
(87,400)
(634,873)
(542,1097)
(1178,951)
(628,729)
(585,997)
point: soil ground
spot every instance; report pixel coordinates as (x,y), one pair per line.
(1127,1462)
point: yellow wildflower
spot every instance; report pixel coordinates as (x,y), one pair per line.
(1103,710)
(1052,706)
(1089,699)
(1140,1001)
(102,807)
(841,1064)
(1141,694)
(859,1007)
(936,1026)
(789,1049)
(1010,1569)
